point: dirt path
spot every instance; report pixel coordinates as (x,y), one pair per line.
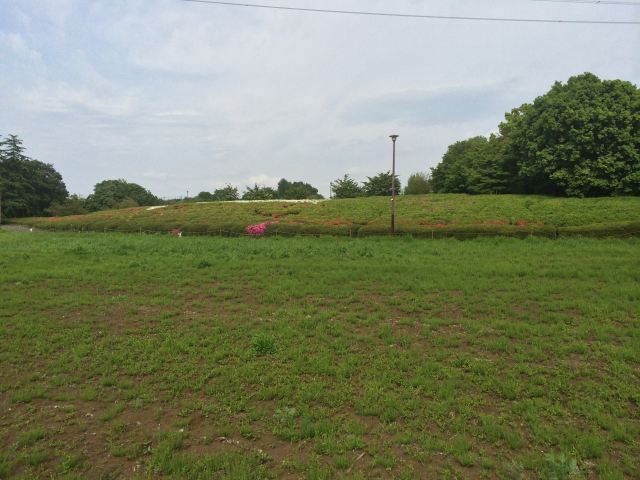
(18,228)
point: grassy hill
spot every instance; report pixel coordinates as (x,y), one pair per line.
(428,215)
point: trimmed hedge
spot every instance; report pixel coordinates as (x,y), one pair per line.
(311,229)
(461,231)
(602,230)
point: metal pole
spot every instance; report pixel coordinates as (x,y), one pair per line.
(393,186)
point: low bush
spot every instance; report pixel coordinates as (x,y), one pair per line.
(602,230)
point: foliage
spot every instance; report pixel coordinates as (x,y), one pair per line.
(380,185)
(73,205)
(474,166)
(226,194)
(559,467)
(419,183)
(258,229)
(258,192)
(119,194)
(346,187)
(126,203)
(580,139)
(264,344)
(296,190)
(204,197)
(27,186)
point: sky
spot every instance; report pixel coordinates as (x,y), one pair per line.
(180,96)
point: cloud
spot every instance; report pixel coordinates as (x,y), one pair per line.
(15,44)
(64,98)
(181,96)
(428,108)
(264,180)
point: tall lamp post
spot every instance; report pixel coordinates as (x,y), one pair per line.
(393,185)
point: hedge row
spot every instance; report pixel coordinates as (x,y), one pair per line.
(601,230)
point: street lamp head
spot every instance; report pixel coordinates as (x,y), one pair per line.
(393,137)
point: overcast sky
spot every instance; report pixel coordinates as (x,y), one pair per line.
(181,96)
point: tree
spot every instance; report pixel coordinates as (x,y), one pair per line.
(296,190)
(582,138)
(204,197)
(113,193)
(488,170)
(346,187)
(226,194)
(74,205)
(477,165)
(28,186)
(259,193)
(380,185)
(451,175)
(418,183)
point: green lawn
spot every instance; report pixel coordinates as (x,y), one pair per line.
(147,356)
(417,214)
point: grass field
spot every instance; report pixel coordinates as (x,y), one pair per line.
(134,356)
(429,215)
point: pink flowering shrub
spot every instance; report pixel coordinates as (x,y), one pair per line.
(258,229)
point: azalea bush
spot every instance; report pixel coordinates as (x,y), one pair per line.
(259,229)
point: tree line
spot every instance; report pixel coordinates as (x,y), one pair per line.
(380,185)
(582,139)
(29,187)
(285,190)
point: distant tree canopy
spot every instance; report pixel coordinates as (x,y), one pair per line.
(296,190)
(258,192)
(226,194)
(204,197)
(380,185)
(419,183)
(476,165)
(74,205)
(27,186)
(119,194)
(346,187)
(581,138)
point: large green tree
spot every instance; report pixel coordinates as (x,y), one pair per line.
(380,185)
(296,190)
(226,194)
(476,165)
(582,138)
(346,187)
(258,192)
(119,194)
(204,197)
(418,183)
(27,186)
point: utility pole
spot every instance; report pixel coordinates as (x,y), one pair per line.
(393,185)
